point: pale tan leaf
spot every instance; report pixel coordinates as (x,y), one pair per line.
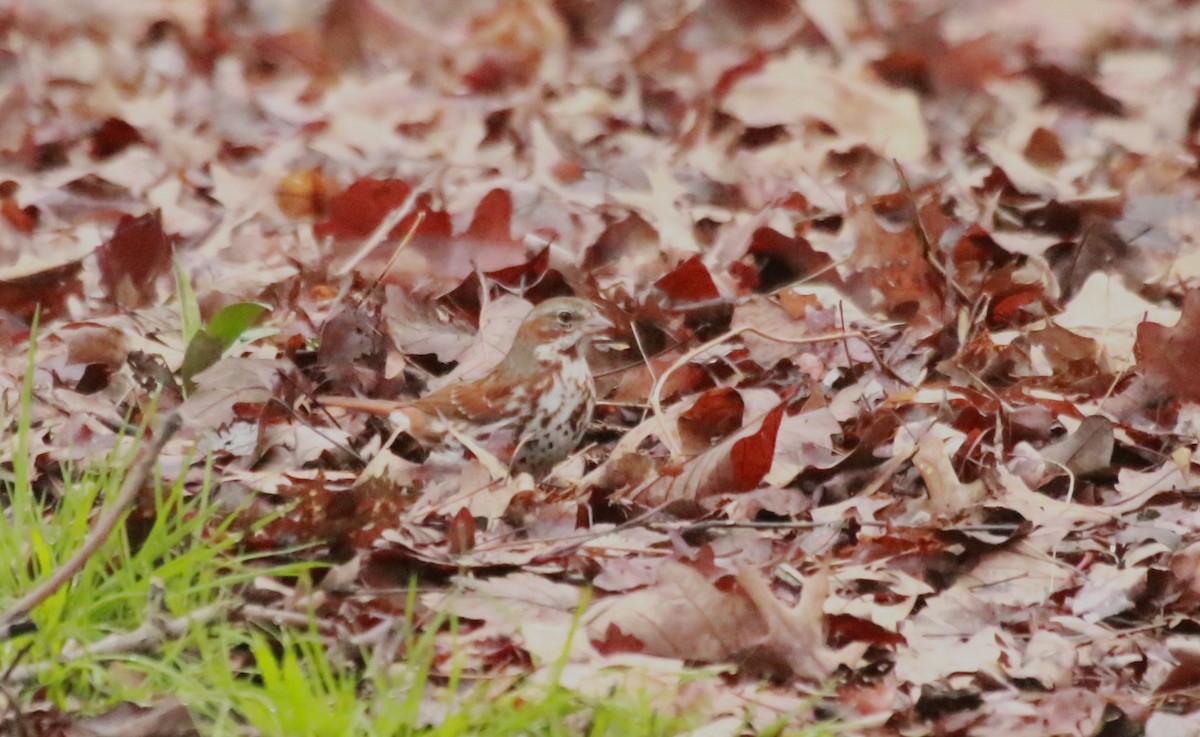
(682,616)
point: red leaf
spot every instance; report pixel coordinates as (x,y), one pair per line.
(522,275)
(754,63)
(1044,148)
(493,218)
(460,536)
(534,280)
(689,282)
(1167,356)
(362,207)
(1068,88)
(751,456)
(489,76)
(137,254)
(112,137)
(1009,309)
(22,220)
(848,628)
(48,289)
(785,259)
(717,413)
(616,641)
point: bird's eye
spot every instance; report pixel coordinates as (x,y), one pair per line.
(565,317)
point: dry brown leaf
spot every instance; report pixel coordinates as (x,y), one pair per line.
(955,633)
(689,164)
(682,616)
(737,464)
(1107,311)
(1087,450)
(1185,674)
(1048,658)
(1166,355)
(948,496)
(794,87)
(1045,511)
(797,634)
(1185,568)
(1108,591)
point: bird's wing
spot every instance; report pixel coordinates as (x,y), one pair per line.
(490,404)
(479,402)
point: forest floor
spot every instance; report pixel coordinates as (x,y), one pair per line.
(896,432)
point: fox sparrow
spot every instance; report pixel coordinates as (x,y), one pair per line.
(531,410)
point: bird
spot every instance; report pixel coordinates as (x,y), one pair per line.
(531,410)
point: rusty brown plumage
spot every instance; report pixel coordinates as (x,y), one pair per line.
(531,410)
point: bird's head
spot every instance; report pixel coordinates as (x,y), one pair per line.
(561,324)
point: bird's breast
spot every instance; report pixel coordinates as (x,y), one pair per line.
(566,405)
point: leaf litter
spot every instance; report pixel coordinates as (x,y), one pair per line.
(932,473)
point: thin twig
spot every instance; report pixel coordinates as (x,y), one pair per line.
(637,338)
(381,231)
(728,524)
(271,615)
(392,259)
(810,277)
(645,361)
(567,543)
(321,408)
(927,244)
(656,394)
(135,478)
(845,341)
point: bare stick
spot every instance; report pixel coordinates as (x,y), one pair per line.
(281,617)
(135,478)
(153,631)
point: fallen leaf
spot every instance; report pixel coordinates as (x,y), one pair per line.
(736,464)
(133,258)
(682,616)
(948,496)
(1165,355)
(1108,591)
(1087,450)
(166,718)
(794,87)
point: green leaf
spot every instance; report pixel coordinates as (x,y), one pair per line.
(202,352)
(223,330)
(229,324)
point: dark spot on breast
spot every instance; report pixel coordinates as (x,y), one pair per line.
(579,415)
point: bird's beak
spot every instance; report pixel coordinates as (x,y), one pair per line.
(596,323)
